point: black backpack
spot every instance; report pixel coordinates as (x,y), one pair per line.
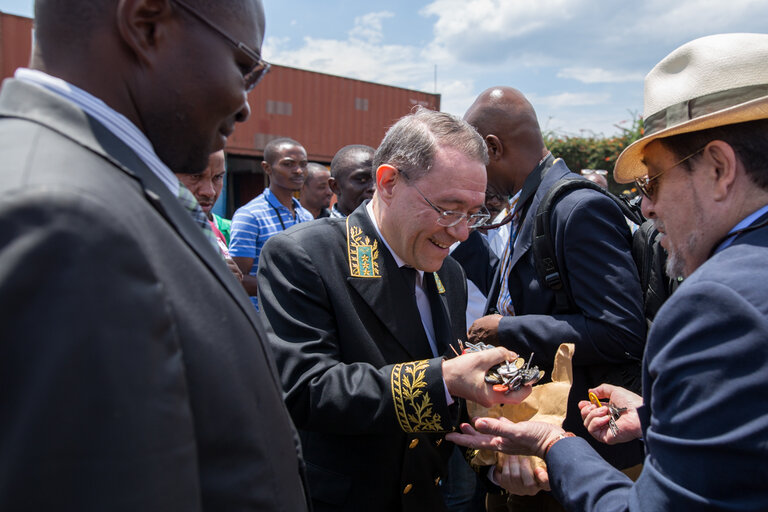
(649,256)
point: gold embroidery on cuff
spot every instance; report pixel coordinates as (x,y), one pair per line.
(413,405)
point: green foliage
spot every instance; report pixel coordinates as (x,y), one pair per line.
(595,152)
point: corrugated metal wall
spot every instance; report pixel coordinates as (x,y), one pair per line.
(323,112)
(16,40)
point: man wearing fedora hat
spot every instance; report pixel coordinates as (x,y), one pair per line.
(703,170)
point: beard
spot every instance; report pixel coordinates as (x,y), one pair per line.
(679,254)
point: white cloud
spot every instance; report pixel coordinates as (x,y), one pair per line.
(369,27)
(599,75)
(389,64)
(569,99)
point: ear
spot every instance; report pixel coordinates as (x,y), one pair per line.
(723,168)
(495,147)
(143,24)
(267,168)
(334,185)
(386,179)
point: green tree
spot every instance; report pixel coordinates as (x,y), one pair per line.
(595,152)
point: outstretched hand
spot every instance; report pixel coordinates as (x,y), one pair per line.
(465,377)
(520,475)
(503,435)
(597,419)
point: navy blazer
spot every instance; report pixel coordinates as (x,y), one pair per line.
(705,378)
(134,373)
(593,247)
(359,376)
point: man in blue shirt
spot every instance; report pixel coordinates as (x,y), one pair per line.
(285,162)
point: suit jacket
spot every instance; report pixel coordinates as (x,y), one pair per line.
(593,247)
(705,373)
(133,372)
(359,376)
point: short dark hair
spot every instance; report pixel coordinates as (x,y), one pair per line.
(411,143)
(312,169)
(271,149)
(341,158)
(749,141)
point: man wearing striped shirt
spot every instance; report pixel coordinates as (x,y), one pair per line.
(285,162)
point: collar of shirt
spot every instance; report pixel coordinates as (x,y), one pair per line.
(745,223)
(112,120)
(398,259)
(273,201)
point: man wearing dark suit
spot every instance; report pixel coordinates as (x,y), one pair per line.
(702,169)
(593,247)
(133,371)
(360,311)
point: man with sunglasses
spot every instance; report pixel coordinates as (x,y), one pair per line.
(703,170)
(361,311)
(134,373)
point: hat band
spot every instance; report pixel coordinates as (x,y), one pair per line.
(701,106)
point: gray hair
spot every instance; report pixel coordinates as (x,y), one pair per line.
(411,143)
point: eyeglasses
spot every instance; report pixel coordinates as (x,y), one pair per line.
(449,218)
(648,185)
(259,66)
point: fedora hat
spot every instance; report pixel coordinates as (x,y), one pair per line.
(708,82)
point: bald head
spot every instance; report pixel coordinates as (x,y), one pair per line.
(508,123)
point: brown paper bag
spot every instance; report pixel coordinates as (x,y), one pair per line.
(547,403)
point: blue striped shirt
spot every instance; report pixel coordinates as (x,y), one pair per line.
(258,220)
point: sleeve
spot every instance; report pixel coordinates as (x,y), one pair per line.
(244,232)
(592,241)
(707,363)
(707,367)
(93,394)
(324,391)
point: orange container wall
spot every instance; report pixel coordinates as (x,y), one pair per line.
(16,40)
(323,112)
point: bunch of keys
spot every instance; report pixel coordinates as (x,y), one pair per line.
(510,375)
(615,412)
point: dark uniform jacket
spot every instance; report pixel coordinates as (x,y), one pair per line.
(592,244)
(133,370)
(360,379)
(704,373)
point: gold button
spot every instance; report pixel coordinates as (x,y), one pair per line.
(407,489)
(413,444)
(439,442)
(438,482)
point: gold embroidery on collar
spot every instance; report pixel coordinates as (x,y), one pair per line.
(438,283)
(412,404)
(362,254)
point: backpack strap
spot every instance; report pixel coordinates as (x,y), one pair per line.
(544,254)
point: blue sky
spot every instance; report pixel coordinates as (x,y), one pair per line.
(580,62)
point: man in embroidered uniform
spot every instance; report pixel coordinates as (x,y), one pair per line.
(274,210)
(603,317)
(360,311)
(134,375)
(703,171)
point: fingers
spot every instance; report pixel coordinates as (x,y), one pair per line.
(542,477)
(603,390)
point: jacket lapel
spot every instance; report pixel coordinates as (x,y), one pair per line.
(69,121)
(374,274)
